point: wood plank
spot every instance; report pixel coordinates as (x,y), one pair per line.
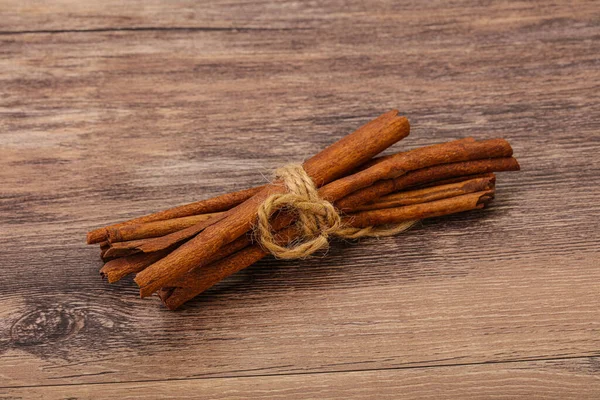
(434,17)
(100,126)
(345,314)
(561,379)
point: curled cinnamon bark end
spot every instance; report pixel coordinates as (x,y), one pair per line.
(97,236)
(104,246)
(119,268)
(164,294)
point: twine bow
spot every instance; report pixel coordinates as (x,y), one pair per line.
(317,219)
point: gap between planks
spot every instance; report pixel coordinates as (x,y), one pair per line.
(151,29)
(457,365)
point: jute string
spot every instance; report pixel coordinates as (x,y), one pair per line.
(317,219)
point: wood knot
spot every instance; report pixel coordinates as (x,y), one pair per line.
(46,325)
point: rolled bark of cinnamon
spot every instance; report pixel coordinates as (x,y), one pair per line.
(151,245)
(220,203)
(155,228)
(489,175)
(333,162)
(434,173)
(428,194)
(119,268)
(200,279)
(399,164)
(394,215)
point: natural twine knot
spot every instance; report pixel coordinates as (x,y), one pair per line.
(317,219)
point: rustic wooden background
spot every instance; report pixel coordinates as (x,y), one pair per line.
(112,109)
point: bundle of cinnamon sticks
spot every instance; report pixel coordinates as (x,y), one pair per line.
(180,252)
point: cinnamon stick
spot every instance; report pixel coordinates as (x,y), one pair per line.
(466,202)
(155,228)
(216,204)
(200,279)
(432,193)
(120,249)
(119,268)
(400,163)
(488,175)
(333,162)
(478,165)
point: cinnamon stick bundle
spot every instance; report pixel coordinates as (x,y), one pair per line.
(121,267)
(128,232)
(333,162)
(204,245)
(182,251)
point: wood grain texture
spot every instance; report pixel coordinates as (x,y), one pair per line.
(108,112)
(558,379)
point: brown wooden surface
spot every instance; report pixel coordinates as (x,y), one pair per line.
(110,110)
(557,379)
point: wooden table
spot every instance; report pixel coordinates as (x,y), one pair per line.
(111,110)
